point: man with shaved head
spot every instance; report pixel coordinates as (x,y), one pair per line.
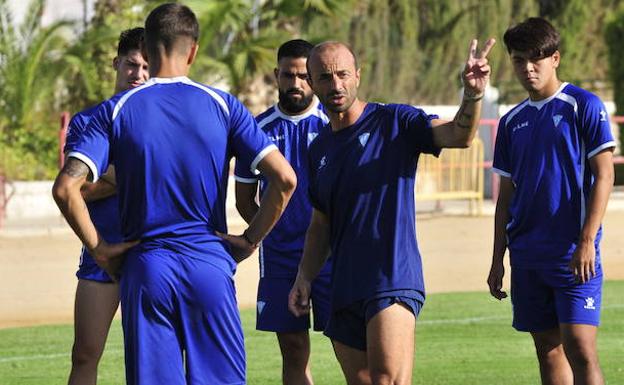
(362,175)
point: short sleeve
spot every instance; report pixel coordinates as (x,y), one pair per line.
(595,127)
(76,126)
(502,163)
(249,143)
(91,145)
(418,128)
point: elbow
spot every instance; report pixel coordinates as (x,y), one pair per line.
(60,193)
(289,182)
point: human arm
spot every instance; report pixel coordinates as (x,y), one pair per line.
(459,132)
(583,263)
(246,199)
(315,252)
(282,182)
(501,219)
(67,194)
(102,188)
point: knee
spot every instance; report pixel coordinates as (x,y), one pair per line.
(581,355)
(85,355)
(295,349)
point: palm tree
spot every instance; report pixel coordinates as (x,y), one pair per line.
(30,57)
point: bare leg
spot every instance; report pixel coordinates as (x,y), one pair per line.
(295,349)
(95,307)
(354,364)
(579,343)
(390,340)
(554,366)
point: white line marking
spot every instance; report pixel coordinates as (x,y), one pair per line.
(455,321)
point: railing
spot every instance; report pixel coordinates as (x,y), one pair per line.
(456,175)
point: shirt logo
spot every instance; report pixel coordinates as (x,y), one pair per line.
(276,138)
(557,119)
(312,136)
(322,162)
(603,116)
(520,126)
(261,305)
(589,303)
(364,138)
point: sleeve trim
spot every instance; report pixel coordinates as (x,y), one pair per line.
(501,172)
(86,160)
(260,156)
(245,180)
(608,144)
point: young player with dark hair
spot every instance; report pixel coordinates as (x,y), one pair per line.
(554,157)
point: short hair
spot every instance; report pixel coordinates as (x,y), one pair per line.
(294,49)
(166,24)
(535,35)
(129,40)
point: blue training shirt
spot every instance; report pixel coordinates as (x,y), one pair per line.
(171,141)
(362,177)
(281,250)
(104,212)
(544,147)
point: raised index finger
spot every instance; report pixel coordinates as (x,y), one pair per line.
(472,51)
(486,50)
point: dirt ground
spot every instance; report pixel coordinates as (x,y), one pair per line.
(37,281)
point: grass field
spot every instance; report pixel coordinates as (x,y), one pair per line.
(462,338)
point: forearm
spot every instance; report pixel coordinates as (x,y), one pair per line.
(596,207)
(315,253)
(74,209)
(466,121)
(501,218)
(273,203)
(98,190)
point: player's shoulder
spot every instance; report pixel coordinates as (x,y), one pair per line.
(270,115)
(82,117)
(579,96)
(514,112)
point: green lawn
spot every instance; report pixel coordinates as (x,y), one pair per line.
(462,339)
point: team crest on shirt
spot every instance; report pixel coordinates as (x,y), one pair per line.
(603,116)
(311,137)
(260,306)
(589,303)
(322,162)
(557,119)
(364,138)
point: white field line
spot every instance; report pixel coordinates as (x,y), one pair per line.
(453,321)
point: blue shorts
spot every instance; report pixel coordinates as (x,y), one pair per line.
(348,325)
(181,322)
(272,312)
(88,269)
(544,298)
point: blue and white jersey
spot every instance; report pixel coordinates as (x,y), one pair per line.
(544,147)
(104,212)
(171,141)
(362,177)
(281,250)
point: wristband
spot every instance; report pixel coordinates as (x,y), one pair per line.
(473,98)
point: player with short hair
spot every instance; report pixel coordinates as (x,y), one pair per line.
(292,124)
(97,296)
(171,141)
(554,157)
(362,176)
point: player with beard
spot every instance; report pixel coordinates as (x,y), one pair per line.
(291,124)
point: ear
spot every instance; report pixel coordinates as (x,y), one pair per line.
(192,54)
(116,62)
(276,73)
(556,59)
(357,77)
